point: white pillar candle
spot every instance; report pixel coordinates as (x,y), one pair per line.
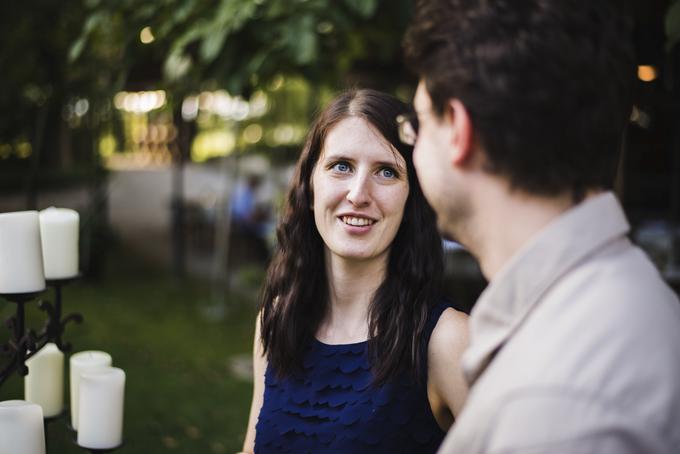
(59,233)
(102,393)
(21,428)
(21,267)
(44,384)
(79,363)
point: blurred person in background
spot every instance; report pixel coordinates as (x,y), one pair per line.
(250,218)
(354,350)
(522,107)
(244,210)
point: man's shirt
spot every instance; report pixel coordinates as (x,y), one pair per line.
(575,347)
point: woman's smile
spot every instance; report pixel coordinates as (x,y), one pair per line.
(357,221)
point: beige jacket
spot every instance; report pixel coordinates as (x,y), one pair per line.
(575,347)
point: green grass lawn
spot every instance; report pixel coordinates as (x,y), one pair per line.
(181,394)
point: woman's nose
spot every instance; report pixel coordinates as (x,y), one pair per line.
(359,191)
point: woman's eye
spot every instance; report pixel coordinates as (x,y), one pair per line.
(386,172)
(341,167)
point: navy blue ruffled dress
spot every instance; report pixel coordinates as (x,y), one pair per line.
(331,407)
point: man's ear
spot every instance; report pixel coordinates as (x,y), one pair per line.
(461,137)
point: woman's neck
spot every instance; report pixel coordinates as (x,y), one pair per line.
(351,286)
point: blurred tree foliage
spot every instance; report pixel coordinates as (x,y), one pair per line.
(55,53)
(241,45)
(40,132)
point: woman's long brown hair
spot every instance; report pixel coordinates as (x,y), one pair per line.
(295,295)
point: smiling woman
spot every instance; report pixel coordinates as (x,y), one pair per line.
(360,188)
(354,351)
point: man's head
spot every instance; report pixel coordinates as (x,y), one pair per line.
(544,85)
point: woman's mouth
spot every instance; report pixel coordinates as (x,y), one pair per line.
(357,221)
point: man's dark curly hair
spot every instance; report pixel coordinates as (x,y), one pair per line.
(547,83)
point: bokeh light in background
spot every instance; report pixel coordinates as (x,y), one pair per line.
(146,36)
(148,131)
(646,73)
(271,118)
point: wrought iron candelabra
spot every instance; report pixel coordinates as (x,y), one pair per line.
(24,343)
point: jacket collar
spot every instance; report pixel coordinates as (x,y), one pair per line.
(519,286)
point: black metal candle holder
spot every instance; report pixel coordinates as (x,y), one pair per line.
(24,343)
(98,451)
(55,325)
(20,343)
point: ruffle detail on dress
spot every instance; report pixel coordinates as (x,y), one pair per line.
(331,407)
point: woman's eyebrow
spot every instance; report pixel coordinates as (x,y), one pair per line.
(337,156)
(394,163)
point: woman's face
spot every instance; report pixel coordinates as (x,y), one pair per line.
(360,187)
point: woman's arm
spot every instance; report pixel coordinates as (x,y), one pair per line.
(259,367)
(446,385)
